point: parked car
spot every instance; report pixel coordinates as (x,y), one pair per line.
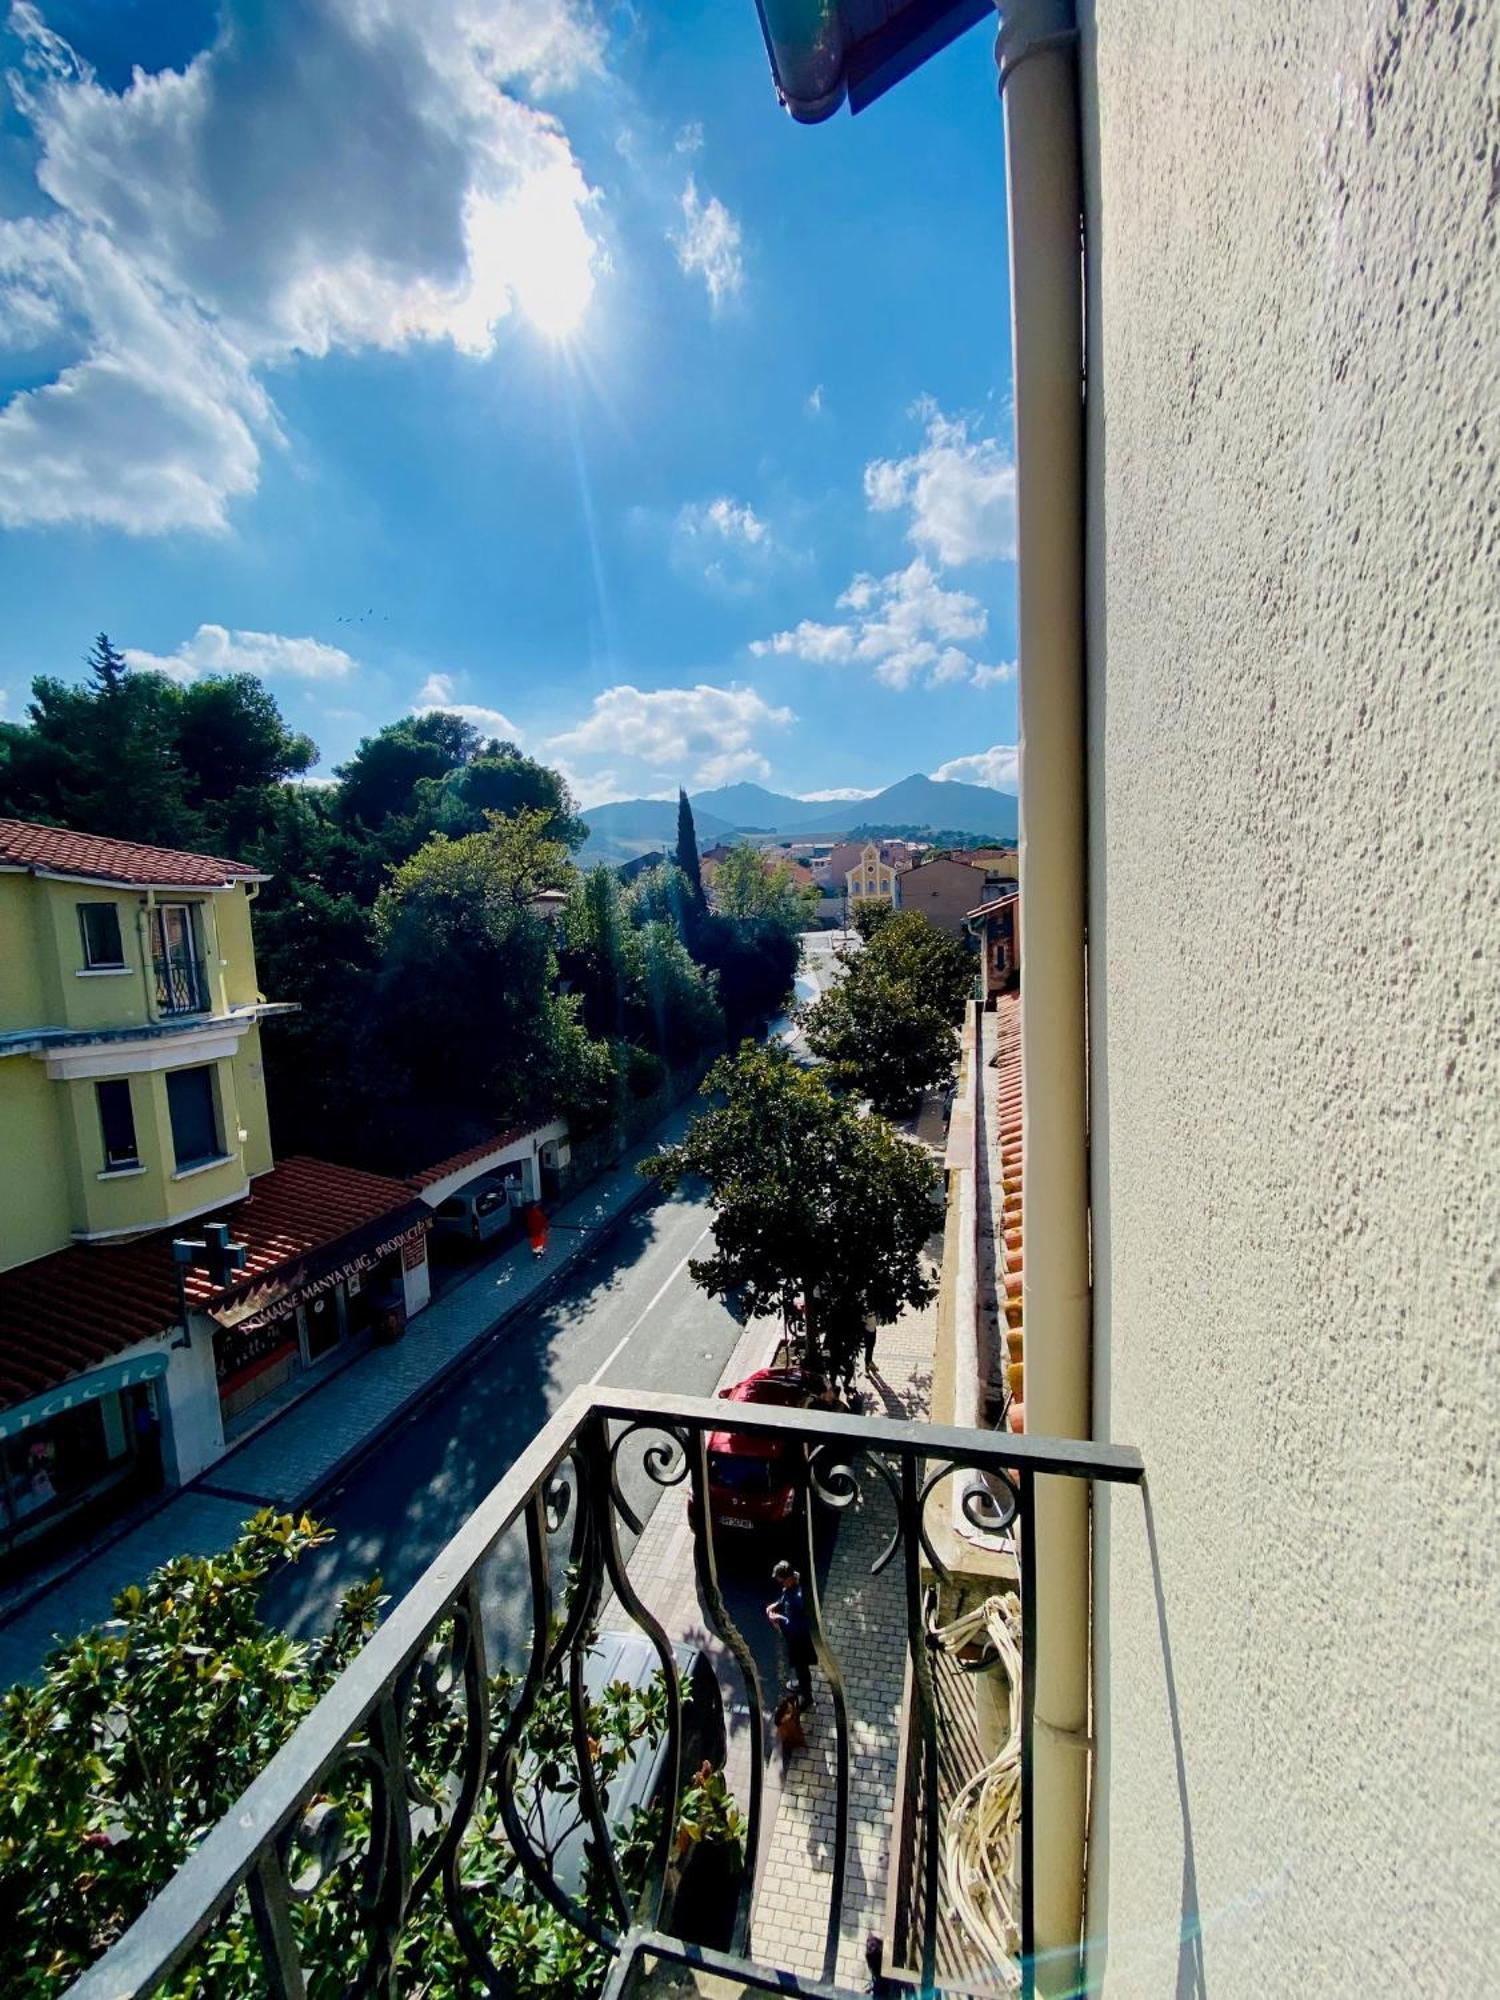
(477,1212)
(752,1481)
(643,1778)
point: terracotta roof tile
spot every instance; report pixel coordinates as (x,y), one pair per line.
(64,1314)
(1008,1107)
(57,850)
(440,1169)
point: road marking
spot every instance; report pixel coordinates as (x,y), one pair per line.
(671,1278)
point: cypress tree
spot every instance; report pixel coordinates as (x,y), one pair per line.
(106,664)
(687,847)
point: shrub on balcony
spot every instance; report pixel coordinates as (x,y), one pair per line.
(142,1734)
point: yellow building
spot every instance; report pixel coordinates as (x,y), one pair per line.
(160,1275)
(871,879)
(131,1088)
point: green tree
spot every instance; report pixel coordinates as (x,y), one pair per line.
(686,854)
(868,914)
(754,960)
(380,780)
(746,884)
(107,668)
(502,779)
(812,1201)
(879,1044)
(936,969)
(141,1735)
(885,1030)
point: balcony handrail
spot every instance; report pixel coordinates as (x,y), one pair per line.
(181,982)
(246,1848)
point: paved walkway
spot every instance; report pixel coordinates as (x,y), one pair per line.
(302,1449)
(865,1618)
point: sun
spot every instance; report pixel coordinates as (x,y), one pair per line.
(551,255)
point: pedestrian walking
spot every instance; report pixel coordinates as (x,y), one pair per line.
(788,1613)
(536,1229)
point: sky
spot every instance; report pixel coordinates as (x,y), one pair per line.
(515,356)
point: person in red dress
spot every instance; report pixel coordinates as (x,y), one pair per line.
(536,1229)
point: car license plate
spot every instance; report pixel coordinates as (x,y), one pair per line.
(734,1521)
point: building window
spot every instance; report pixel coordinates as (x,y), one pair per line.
(195,1124)
(100,923)
(117,1124)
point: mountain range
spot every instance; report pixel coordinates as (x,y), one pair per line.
(627,827)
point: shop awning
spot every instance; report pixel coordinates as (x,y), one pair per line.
(82,1389)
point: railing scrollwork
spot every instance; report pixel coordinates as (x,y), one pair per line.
(449,1773)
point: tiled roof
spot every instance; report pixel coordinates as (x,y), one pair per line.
(65,1314)
(995,903)
(56,850)
(1008,1252)
(472,1155)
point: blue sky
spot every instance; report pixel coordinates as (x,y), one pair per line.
(514,355)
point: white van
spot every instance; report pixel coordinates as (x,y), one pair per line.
(479,1211)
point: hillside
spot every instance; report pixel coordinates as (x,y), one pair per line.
(620,831)
(930,802)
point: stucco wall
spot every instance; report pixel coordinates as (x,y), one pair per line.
(1293,741)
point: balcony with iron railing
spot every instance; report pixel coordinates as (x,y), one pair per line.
(458,1790)
(181,985)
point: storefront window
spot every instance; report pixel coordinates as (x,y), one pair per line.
(53,1468)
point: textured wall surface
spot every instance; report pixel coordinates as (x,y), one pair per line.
(1294,336)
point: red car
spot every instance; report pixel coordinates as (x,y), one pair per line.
(752,1483)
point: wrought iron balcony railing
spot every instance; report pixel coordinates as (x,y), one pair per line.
(374,1853)
(181,986)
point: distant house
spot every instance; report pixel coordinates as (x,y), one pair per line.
(996,927)
(628,871)
(948,886)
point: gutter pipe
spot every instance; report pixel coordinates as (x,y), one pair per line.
(1036,51)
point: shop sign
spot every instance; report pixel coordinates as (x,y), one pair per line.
(252,1318)
(85,1389)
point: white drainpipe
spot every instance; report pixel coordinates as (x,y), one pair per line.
(1036,53)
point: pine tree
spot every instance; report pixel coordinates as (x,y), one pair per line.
(107,665)
(687,847)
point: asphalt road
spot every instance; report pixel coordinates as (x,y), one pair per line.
(630,1316)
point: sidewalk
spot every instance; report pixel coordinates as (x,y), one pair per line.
(301,1451)
(865,1618)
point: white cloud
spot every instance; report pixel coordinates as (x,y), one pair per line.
(270,656)
(348,174)
(998,767)
(436,693)
(690,138)
(708,243)
(723,542)
(961,492)
(905,626)
(814,403)
(723,520)
(984,677)
(835,795)
(698,736)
